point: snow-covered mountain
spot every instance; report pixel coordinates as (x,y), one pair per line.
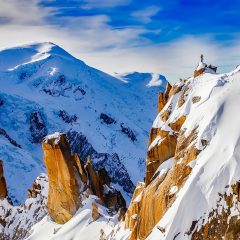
(192,178)
(192,185)
(45,89)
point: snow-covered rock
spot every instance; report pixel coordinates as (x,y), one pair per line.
(195,191)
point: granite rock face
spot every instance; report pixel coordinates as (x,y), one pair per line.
(69,178)
(64,187)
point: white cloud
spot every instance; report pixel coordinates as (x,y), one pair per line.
(174,60)
(93,40)
(89,4)
(145,15)
(23,12)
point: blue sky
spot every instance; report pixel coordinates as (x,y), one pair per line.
(127,35)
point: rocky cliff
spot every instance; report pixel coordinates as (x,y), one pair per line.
(69,179)
(191,188)
(3,186)
(71,189)
(64,183)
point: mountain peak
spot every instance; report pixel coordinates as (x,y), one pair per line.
(13,57)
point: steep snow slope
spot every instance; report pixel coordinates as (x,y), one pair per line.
(205,201)
(81,226)
(45,89)
(218,165)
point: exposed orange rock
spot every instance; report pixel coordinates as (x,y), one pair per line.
(196,99)
(104,177)
(183,143)
(159,152)
(202,67)
(199,72)
(94,180)
(3,185)
(134,208)
(165,115)
(152,200)
(161,102)
(221,223)
(34,190)
(163,97)
(167,90)
(95,212)
(112,199)
(176,126)
(63,196)
(121,214)
(80,167)
(175,89)
(69,177)
(181,99)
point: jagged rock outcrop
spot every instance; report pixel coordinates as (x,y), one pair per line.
(203,67)
(95,212)
(64,195)
(69,177)
(3,185)
(134,209)
(151,200)
(16,221)
(170,159)
(34,190)
(67,118)
(129,132)
(220,223)
(161,148)
(79,164)
(191,189)
(111,162)
(163,97)
(100,185)
(94,180)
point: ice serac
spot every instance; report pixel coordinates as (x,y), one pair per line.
(64,195)
(3,185)
(191,189)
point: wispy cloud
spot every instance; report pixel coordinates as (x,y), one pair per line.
(89,4)
(124,39)
(22,12)
(145,15)
(175,60)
